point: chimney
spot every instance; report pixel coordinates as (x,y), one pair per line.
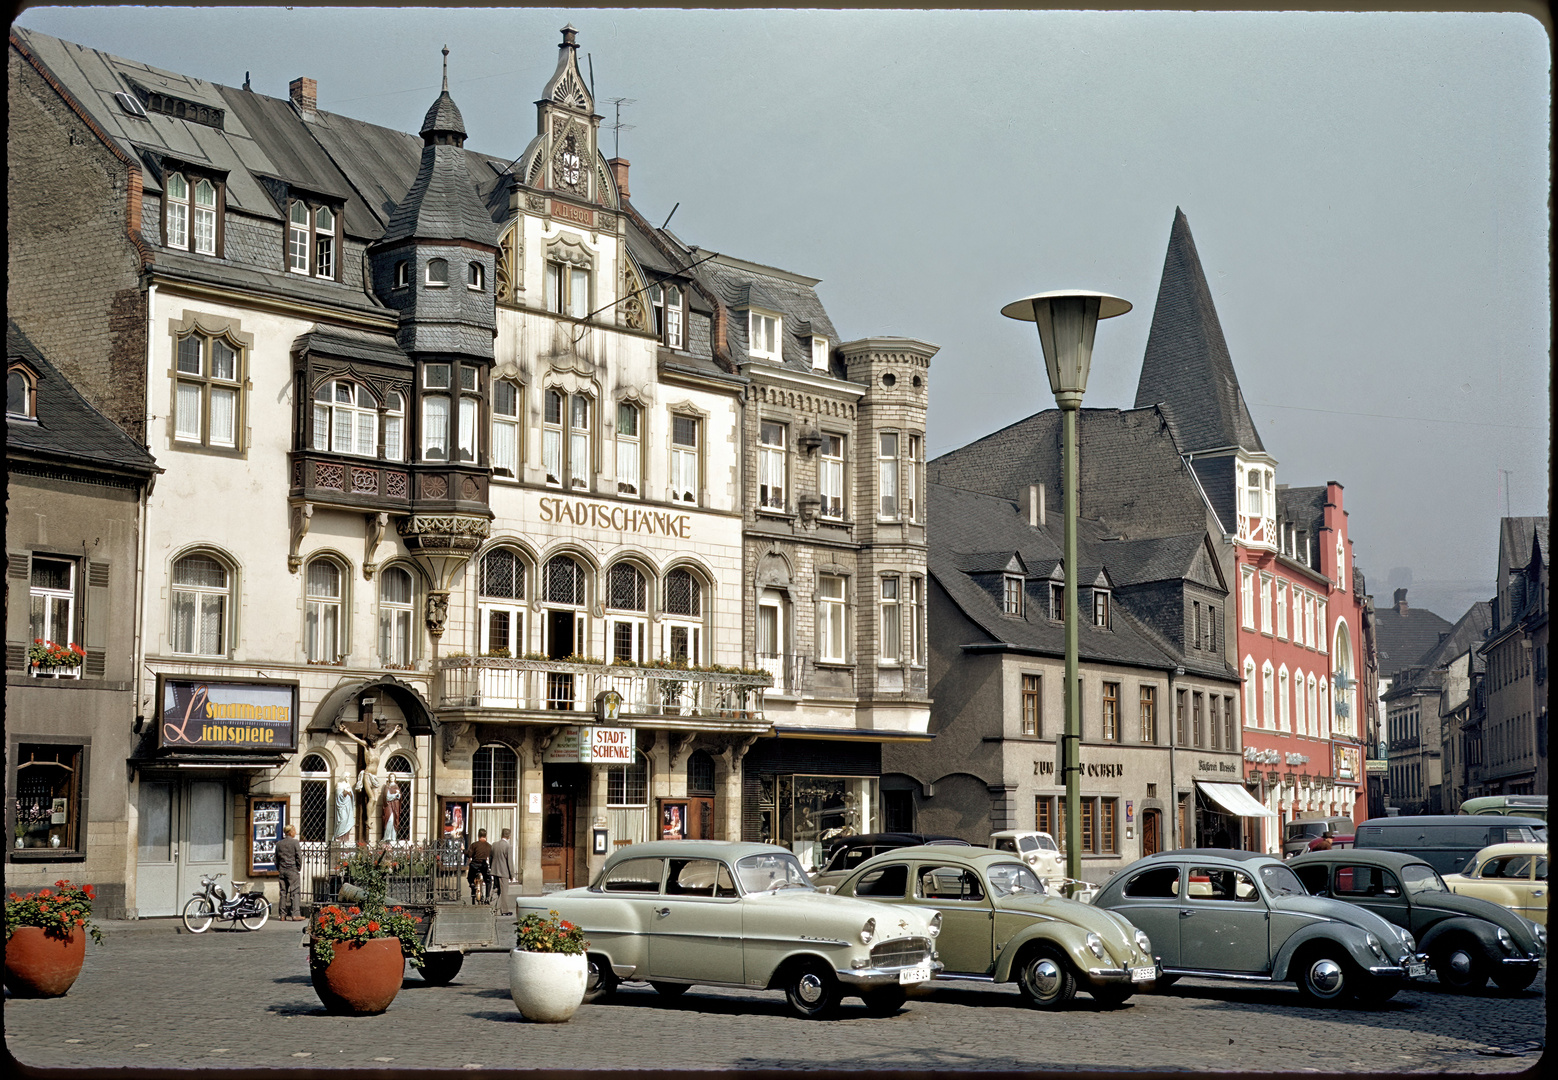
(619,173)
(1031,501)
(1401,601)
(305,94)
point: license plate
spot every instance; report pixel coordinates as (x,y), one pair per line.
(1417,971)
(1146,974)
(918,974)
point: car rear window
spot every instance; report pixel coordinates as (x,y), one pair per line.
(634,876)
(1160,882)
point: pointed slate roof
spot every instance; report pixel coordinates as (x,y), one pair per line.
(1187,367)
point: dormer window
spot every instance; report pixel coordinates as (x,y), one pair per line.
(1011,595)
(763,334)
(1057,601)
(1101,608)
(668,303)
(189,201)
(475,277)
(21,393)
(438,273)
(175,225)
(205,217)
(311,239)
(819,353)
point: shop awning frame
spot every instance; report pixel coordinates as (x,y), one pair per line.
(1234,799)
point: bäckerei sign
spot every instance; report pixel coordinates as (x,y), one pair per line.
(200,714)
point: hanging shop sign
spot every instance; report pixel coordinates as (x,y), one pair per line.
(199,714)
(591,744)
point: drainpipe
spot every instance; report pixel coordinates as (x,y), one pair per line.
(1173,726)
(138,648)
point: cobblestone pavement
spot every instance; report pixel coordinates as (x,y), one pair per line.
(157,998)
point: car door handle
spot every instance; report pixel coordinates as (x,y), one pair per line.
(1185,913)
(662,911)
(1536,892)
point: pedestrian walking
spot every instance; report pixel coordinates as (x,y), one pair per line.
(502,871)
(289,863)
(1321,842)
(478,860)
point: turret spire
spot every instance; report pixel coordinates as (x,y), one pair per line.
(446,69)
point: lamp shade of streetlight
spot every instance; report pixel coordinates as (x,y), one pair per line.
(1066,321)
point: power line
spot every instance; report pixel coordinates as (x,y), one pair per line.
(1391,416)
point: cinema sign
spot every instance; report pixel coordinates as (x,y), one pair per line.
(230,714)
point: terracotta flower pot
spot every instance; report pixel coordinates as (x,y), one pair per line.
(37,965)
(547,987)
(363,978)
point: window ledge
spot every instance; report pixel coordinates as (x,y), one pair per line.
(45,855)
(773,512)
(837,665)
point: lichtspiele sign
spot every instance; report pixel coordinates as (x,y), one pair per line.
(199,714)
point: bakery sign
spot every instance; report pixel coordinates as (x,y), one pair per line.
(201,714)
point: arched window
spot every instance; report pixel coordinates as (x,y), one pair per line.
(700,773)
(395,617)
(475,276)
(323,640)
(205,217)
(1284,690)
(628,456)
(501,603)
(175,196)
(399,797)
(1251,714)
(494,789)
(314,801)
(626,591)
(1341,660)
(200,606)
(324,242)
(438,272)
(564,629)
(564,581)
(1309,704)
(1267,713)
(20,397)
(346,419)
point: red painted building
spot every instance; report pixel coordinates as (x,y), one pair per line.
(1297,607)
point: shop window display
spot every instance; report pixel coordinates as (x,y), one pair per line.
(805,813)
(48,797)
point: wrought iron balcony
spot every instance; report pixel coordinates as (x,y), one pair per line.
(672,697)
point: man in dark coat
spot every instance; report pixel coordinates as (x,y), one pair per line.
(479,859)
(289,862)
(503,871)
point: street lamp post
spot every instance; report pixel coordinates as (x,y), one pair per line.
(1066,321)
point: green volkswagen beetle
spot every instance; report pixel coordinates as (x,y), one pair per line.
(1001,924)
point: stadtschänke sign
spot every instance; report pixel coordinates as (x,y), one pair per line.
(199,714)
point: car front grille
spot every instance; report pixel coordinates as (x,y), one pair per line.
(901,952)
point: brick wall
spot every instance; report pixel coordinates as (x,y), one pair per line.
(73,274)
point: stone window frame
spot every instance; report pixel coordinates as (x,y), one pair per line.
(635,444)
(395,609)
(514,422)
(824,604)
(699,418)
(344,603)
(564,255)
(81,747)
(211,328)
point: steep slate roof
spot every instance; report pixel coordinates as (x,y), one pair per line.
(1515,536)
(970,532)
(352,345)
(740,284)
(1403,639)
(1465,636)
(1187,366)
(1141,562)
(1305,507)
(443,202)
(68,430)
(1132,479)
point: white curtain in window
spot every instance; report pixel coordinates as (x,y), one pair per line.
(468,414)
(435,427)
(205,218)
(505,446)
(830,622)
(224,416)
(552,455)
(367,434)
(393,423)
(578,293)
(187,412)
(627,466)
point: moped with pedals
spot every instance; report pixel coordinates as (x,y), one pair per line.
(249,909)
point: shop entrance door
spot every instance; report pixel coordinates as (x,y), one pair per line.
(560,785)
(1151,832)
(183,830)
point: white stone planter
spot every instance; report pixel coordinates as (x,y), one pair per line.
(547,987)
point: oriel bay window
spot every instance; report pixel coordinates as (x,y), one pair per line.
(830,476)
(771,466)
(912,463)
(887,474)
(505,428)
(207,388)
(890,646)
(501,603)
(684,459)
(917,621)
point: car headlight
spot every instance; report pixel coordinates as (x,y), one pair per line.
(935,924)
(1506,942)
(868,932)
(1540,932)
(1143,943)
(1096,944)
(1408,941)
(1374,946)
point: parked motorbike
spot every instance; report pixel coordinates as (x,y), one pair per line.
(249,909)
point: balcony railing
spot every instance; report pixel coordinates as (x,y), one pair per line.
(494,682)
(790,671)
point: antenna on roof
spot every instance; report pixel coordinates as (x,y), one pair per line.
(590,60)
(619,127)
(669,216)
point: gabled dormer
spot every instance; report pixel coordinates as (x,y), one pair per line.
(568,126)
(1096,608)
(1003,575)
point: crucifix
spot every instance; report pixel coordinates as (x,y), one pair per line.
(367,734)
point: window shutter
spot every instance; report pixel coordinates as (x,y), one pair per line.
(18,564)
(15,656)
(96,664)
(97,607)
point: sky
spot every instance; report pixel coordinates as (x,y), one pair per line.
(1368,193)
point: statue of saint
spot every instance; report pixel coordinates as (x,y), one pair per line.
(345,813)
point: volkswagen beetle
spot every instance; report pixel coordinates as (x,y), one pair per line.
(1211,912)
(680,913)
(1467,939)
(1000,923)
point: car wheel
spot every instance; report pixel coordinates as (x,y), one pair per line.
(1112,997)
(197,915)
(440,968)
(1514,981)
(1045,979)
(1460,966)
(600,981)
(1324,976)
(884,1000)
(669,989)
(812,990)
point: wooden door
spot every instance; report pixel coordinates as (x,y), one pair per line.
(1151,832)
(700,818)
(557,825)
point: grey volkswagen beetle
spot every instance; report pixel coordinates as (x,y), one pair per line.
(1216,913)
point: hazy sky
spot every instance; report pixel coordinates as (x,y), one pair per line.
(1368,193)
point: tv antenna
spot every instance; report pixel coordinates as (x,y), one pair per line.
(618,127)
(1506,474)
